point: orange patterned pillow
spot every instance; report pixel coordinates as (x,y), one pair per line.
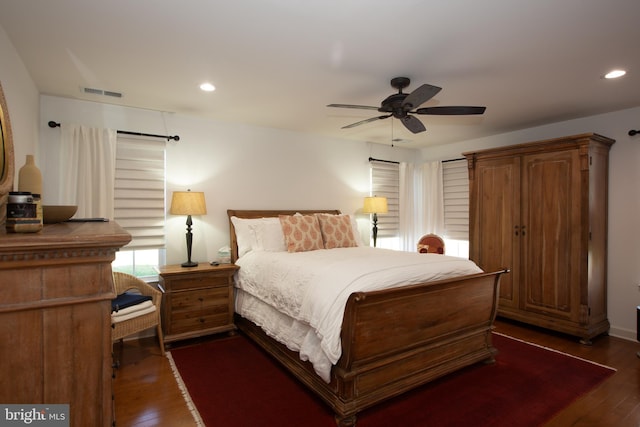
(337,231)
(301,232)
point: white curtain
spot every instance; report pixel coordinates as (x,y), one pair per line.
(421,202)
(87,170)
(433,198)
(410,218)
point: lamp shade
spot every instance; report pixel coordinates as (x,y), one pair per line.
(375,205)
(188,203)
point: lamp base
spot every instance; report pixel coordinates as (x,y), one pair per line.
(189,264)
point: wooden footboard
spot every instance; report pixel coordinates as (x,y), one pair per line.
(397,339)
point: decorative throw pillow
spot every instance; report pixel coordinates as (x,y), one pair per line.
(337,231)
(301,232)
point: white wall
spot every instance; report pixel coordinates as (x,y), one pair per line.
(237,166)
(624,200)
(22,101)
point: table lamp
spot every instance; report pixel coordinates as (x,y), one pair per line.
(188,203)
(375,205)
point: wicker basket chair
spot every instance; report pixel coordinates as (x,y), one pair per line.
(125,282)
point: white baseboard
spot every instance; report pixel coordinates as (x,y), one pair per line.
(627,334)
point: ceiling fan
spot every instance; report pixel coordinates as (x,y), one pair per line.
(402,105)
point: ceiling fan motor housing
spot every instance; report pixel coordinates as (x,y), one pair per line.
(393,104)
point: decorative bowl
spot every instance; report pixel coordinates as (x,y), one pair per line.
(52,214)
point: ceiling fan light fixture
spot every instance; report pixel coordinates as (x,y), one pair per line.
(614,74)
(207,87)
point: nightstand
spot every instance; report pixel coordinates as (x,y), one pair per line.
(197,300)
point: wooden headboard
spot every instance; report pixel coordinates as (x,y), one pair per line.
(263,214)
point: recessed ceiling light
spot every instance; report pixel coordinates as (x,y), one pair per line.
(207,87)
(614,74)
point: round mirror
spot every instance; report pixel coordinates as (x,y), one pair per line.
(6,160)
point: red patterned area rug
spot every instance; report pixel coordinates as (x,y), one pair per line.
(231,382)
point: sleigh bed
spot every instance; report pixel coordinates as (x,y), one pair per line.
(390,340)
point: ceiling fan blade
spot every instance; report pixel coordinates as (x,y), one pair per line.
(372,119)
(360,107)
(420,96)
(413,124)
(450,111)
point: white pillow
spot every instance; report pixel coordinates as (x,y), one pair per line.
(356,232)
(245,236)
(269,235)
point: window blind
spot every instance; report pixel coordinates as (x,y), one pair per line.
(455,180)
(140,191)
(385,182)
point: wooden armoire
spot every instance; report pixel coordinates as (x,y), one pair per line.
(540,209)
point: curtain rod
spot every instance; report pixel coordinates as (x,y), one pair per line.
(176,138)
(371,159)
(633,132)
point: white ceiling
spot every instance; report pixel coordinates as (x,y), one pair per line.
(278,63)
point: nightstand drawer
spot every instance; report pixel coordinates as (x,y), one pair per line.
(211,317)
(200,281)
(197,300)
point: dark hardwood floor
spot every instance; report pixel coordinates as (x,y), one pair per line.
(146,393)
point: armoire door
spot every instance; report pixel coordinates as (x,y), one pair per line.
(551,238)
(496,223)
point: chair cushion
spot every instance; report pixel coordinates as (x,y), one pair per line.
(127,299)
(132,312)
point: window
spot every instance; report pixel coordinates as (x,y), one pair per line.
(385,182)
(140,205)
(455,180)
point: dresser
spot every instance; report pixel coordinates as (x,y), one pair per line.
(197,300)
(55,318)
(540,209)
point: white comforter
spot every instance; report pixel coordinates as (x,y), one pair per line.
(312,288)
